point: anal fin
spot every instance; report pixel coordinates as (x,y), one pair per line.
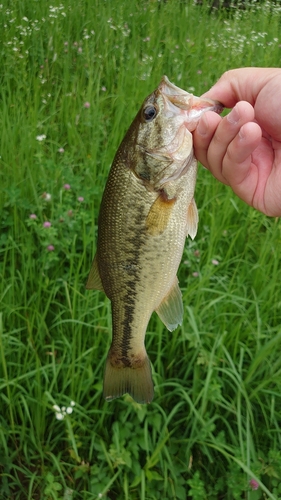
(94,280)
(170,310)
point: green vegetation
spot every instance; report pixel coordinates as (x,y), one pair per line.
(73,75)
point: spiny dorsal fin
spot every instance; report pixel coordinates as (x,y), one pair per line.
(94,280)
(170,310)
(192,220)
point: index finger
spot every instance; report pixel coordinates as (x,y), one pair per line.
(243,84)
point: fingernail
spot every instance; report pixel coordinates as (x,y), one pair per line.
(233,117)
(202,127)
(241,134)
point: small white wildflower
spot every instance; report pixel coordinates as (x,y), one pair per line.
(59,416)
(25,19)
(68,494)
(60,413)
(47,196)
(41,138)
(215,262)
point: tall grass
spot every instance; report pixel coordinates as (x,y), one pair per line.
(73,75)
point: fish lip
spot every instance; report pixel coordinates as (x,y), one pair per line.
(174,96)
(202,104)
(195,106)
(170,89)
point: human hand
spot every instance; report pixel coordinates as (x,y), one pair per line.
(243,149)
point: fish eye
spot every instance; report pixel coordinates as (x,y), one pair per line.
(149,113)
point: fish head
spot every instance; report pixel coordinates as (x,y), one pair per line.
(163,144)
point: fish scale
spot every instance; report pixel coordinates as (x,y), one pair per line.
(147,210)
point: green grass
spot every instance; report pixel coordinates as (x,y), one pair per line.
(214,423)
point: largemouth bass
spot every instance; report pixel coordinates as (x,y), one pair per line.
(147,210)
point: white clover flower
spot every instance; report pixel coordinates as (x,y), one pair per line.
(46,196)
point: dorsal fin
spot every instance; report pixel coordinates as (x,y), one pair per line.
(94,280)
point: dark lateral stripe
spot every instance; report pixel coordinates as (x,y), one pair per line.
(127,329)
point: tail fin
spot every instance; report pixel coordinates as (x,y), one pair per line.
(135,381)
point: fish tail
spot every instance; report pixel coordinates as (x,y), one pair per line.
(136,381)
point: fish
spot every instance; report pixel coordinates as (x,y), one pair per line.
(146,213)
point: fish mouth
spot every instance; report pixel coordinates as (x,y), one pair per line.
(178,100)
(184,110)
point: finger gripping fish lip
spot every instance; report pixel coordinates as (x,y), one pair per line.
(186,101)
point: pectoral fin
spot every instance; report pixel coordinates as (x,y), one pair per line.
(170,310)
(192,220)
(159,214)
(94,280)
